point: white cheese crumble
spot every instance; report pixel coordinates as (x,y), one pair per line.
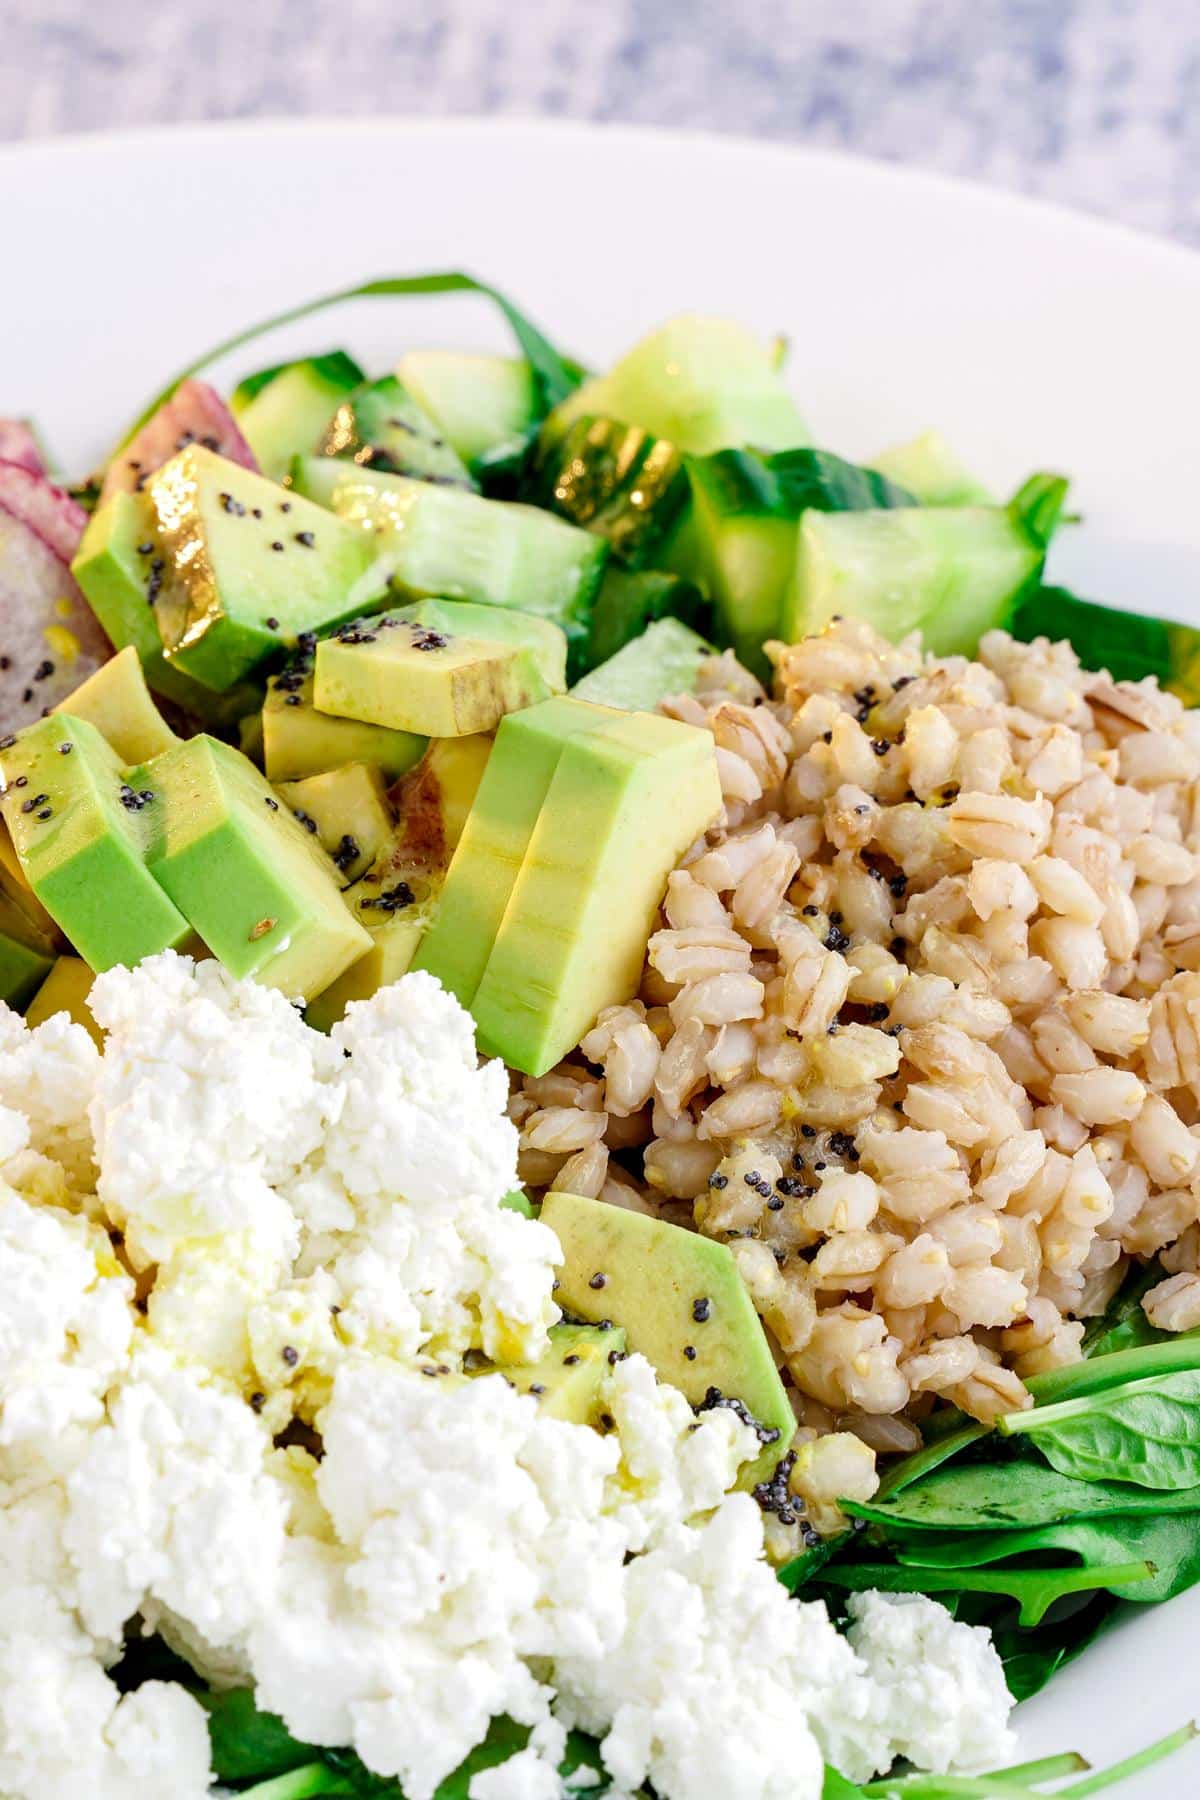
(315,1231)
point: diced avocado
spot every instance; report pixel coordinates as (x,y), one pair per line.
(479,403)
(664,660)
(284,411)
(299,741)
(65,990)
(495,838)
(615,480)
(704,384)
(117,702)
(14,886)
(518,1201)
(380,426)
(949,572)
(82,831)
(248,567)
(256,886)
(462,618)
(568,1382)
(394,905)
(26,955)
(347,811)
(390,671)
(624,802)
(746,515)
(119,568)
(628,601)
(434,800)
(443,543)
(932,473)
(674,1292)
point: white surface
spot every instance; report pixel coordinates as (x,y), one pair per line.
(1031,337)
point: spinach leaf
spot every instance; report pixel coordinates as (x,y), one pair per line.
(554,377)
(748,484)
(989,1496)
(1124,1325)
(304,1783)
(924,1461)
(1037,506)
(1032,1657)
(1170,1545)
(1128,645)
(809,1563)
(246,1742)
(1035,1590)
(1144,1432)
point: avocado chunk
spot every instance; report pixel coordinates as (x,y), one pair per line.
(26,955)
(380,426)
(82,831)
(14,886)
(683,1306)
(393,905)
(284,411)
(391,671)
(435,799)
(298,740)
(624,802)
(119,568)
(65,990)
(495,838)
(347,811)
(117,702)
(248,567)
(252,881)
(542,638)
(568,1382)
(664,660)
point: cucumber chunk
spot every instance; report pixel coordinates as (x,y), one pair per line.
(615,480)
(480,404)
(283,411)
(703,384)
(380,426)
(744,530)
(664,660)
(932,473)
(950,572)
(628,601)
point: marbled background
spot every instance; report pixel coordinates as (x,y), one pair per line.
(1093,102)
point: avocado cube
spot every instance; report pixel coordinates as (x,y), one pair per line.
(65,990)
(119,567)
(495,838)
(568,1382)
(545,641)
(683,1306)
(409,677)
(14,886)
(248,567)
(26,955)
(347,811)
(395,908)
(624,802)
(256,886)
(117,702)
(299,741)
(435,799)
(81,831)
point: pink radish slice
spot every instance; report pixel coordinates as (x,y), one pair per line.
(52,514)
(50,640)
(195,414)
(18,445)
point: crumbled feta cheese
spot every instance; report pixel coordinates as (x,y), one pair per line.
(48,1077)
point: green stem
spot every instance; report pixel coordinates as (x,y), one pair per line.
(300,1784)
(1046,1768)
(923,1462)
(1101,1372)
(1133,1765)
(947,1787)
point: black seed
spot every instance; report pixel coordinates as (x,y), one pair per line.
(285,506)
(598,1281)
(689,1350)
(65,749)
(701,1311)
(808,1131)
(537,1387)
(290,1355)
(570,1361)
(146,549)
(272,624)
(880,746)
(836,939)
(21,781)
(810,912)
(306,538)
(292,700)
(346,854)
(718,1181)
(258,1400)
(273,804)
(752,1179)
(45,813)
(277,545)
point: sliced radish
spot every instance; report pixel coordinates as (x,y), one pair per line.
(18,445)
(48,510)
(195,414)
(50,639)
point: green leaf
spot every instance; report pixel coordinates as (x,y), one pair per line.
(809,1563)
(246,1742)
(1021,1492)
(1037,506)
(555,378)
(836,1787)
(1128,645)
(1124,1325)
(746,484)
(923,1462)
(1032,1657)
(1170,1546)
(1035,1590)
(303,1784)
(1145,1432)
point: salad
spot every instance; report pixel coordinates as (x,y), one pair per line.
(599,1095)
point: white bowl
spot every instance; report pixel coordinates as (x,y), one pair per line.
(1032,337)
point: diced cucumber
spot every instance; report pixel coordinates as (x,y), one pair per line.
(664,660)
(613,479)
(283,412)
(932,473)
(480,404)
(950,572)
(380,426)
(746,513)
(628,601)
(703,384)
(1128,645)
(461,547)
